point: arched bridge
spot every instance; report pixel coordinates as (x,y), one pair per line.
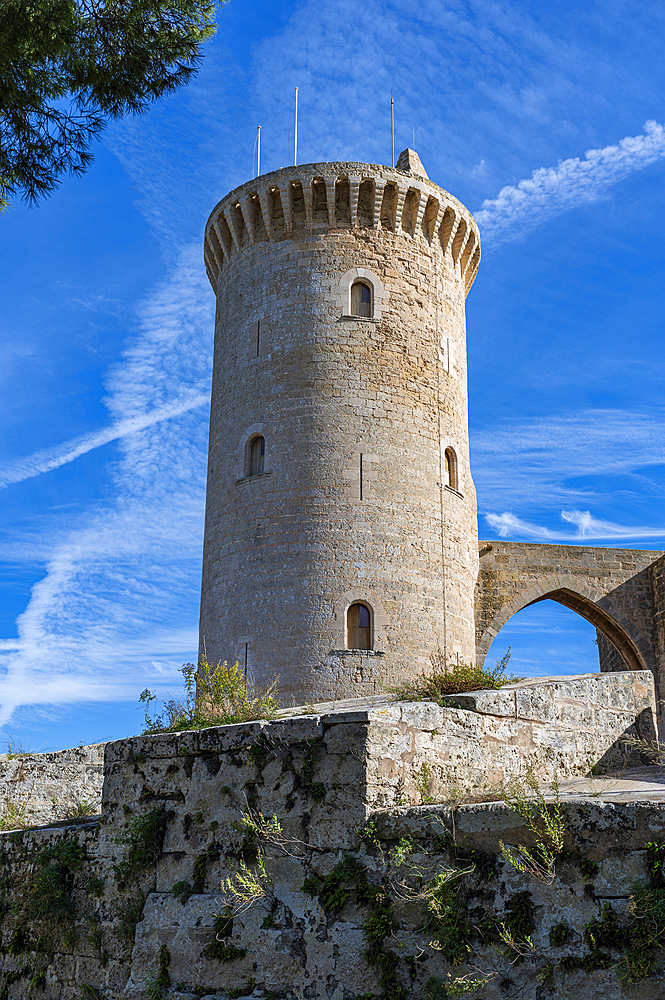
(620,591)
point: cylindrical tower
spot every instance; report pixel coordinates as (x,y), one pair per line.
(340,549)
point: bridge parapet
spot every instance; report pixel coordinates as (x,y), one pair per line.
(620,591)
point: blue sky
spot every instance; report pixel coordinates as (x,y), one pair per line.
(545,120)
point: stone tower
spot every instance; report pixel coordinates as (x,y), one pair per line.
(340,547)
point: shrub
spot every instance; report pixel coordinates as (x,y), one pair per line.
(455,679)
(53,879)
(213,696)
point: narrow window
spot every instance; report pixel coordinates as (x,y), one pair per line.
(361,299)
(257,452)
(359,627)
(450,473)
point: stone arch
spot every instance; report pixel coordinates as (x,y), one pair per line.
(589,602)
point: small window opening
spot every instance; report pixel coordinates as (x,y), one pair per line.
(361,299)
(257,453)
(359,627)
(450,473)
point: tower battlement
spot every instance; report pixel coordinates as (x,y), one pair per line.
(317,197)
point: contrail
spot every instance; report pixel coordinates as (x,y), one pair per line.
(53,458)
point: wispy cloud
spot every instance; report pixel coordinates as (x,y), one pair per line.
(553,190)
(117,608)
(589,528)
(567,458)
(53,458)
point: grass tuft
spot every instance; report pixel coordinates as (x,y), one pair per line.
(456,679)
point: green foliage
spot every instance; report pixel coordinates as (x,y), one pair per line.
(588,963)
(439,989)
(68,66)
(313,753)
(587,866)
(95,937)
(219,949)
(95,886)
(400,853)
(646,932)
(546,974)
(606,932)
(18,941)
(201,862)
(144,840)
(14,817)
(80,809)
(656,863)
(559,934)
(246,886)
(182,890)
(53,880)
(130,914)
(89,992)
(370,834)
(519,918)
(213,696)
(449,923)
(156,988)
(347,882)
(422,783)
(456,679)
(11,977)
(545,824)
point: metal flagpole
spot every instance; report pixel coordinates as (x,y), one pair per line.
(258,153)
(295,135)
(392,123)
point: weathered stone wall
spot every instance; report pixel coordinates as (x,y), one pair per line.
(555,726)
(40,788)
(105,909)
(356,414)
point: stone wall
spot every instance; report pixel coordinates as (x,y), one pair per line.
(121,907)
(555,726)
(40,788)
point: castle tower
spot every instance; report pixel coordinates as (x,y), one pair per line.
(340,547)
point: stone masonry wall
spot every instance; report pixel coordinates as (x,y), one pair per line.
(555,726)
(134,905)
(42,788)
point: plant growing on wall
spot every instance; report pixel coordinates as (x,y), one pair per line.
(446,679)
(545,824)
(213,696)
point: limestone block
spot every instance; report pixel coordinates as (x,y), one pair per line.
(500,702)
(618,873)
(425,715)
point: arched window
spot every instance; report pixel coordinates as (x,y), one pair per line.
(361,299)
(450,473)
(359,627)
(257,452)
